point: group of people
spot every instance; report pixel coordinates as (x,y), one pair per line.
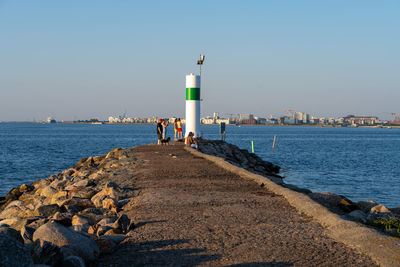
(162,133)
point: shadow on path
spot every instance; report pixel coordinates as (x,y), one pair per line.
(139,224)
(157,253)
(262,264)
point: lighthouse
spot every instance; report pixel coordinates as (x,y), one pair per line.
(192,104)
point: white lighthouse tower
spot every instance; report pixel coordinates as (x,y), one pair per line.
(193,104)
(193,101)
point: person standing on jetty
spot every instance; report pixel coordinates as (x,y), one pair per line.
(175,128)
(164,132)
(179,125)
(159,131)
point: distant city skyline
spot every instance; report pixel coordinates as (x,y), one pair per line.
(94,59)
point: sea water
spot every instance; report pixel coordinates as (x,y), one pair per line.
(359,163)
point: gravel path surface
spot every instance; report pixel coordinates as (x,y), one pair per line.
(190,212)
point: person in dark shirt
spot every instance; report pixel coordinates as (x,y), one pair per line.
(159,131)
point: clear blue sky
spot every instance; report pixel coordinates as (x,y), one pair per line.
(93,59)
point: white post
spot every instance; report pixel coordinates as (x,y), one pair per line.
(192,105)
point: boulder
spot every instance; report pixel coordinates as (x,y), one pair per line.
(64,218)
(13,253)
(326,198)
(379,209)
(58,184)
(71,208)
(105,245)
(98,198)
(13,212)
(96,211)
(73,261)
(101,230)
(62,236)
(60,194)
(13,194)
(358,215)
(46,191)
(83,228)
(44,252)
(122,223)
(59,201)
(114,153)
(110,203)
(85,183)
(377,216)
(70,171)
(80,203)
(39,184)
(396,211)
(11,233)
(47,210)
(15,203)
(78,220)
(106,222)
(366,205)
(82,192)
(15,223)
(37,223)
(92,217)
(27,234)
(25,187)
(92,229)
(347,205)
(112,231)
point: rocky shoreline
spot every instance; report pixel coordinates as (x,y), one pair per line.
(67,219)
(73,217)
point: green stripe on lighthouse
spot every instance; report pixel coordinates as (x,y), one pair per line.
(192,93)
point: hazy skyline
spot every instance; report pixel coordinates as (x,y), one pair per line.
(94,59)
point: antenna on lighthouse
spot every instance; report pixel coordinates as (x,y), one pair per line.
(200,62)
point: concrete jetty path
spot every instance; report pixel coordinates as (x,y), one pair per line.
(191,212)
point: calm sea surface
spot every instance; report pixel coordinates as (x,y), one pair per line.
(359,163)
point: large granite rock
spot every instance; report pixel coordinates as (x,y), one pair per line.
(326,198)
(44,252)
(62,236)
(358,215)
(366,205)
(47,210)
(11,233)
(123,223)
(13,253)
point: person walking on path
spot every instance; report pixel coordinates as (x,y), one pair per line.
(176,128)
(179,126)
(164,132)
(159,131)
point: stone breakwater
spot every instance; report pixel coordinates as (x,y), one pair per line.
(74,217)
(367,212)
(68,219)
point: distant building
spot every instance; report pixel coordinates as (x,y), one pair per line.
(289,120)
(226,121)
(249,121)
(395,122)
(261,121)
(360,120)
(246,117)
